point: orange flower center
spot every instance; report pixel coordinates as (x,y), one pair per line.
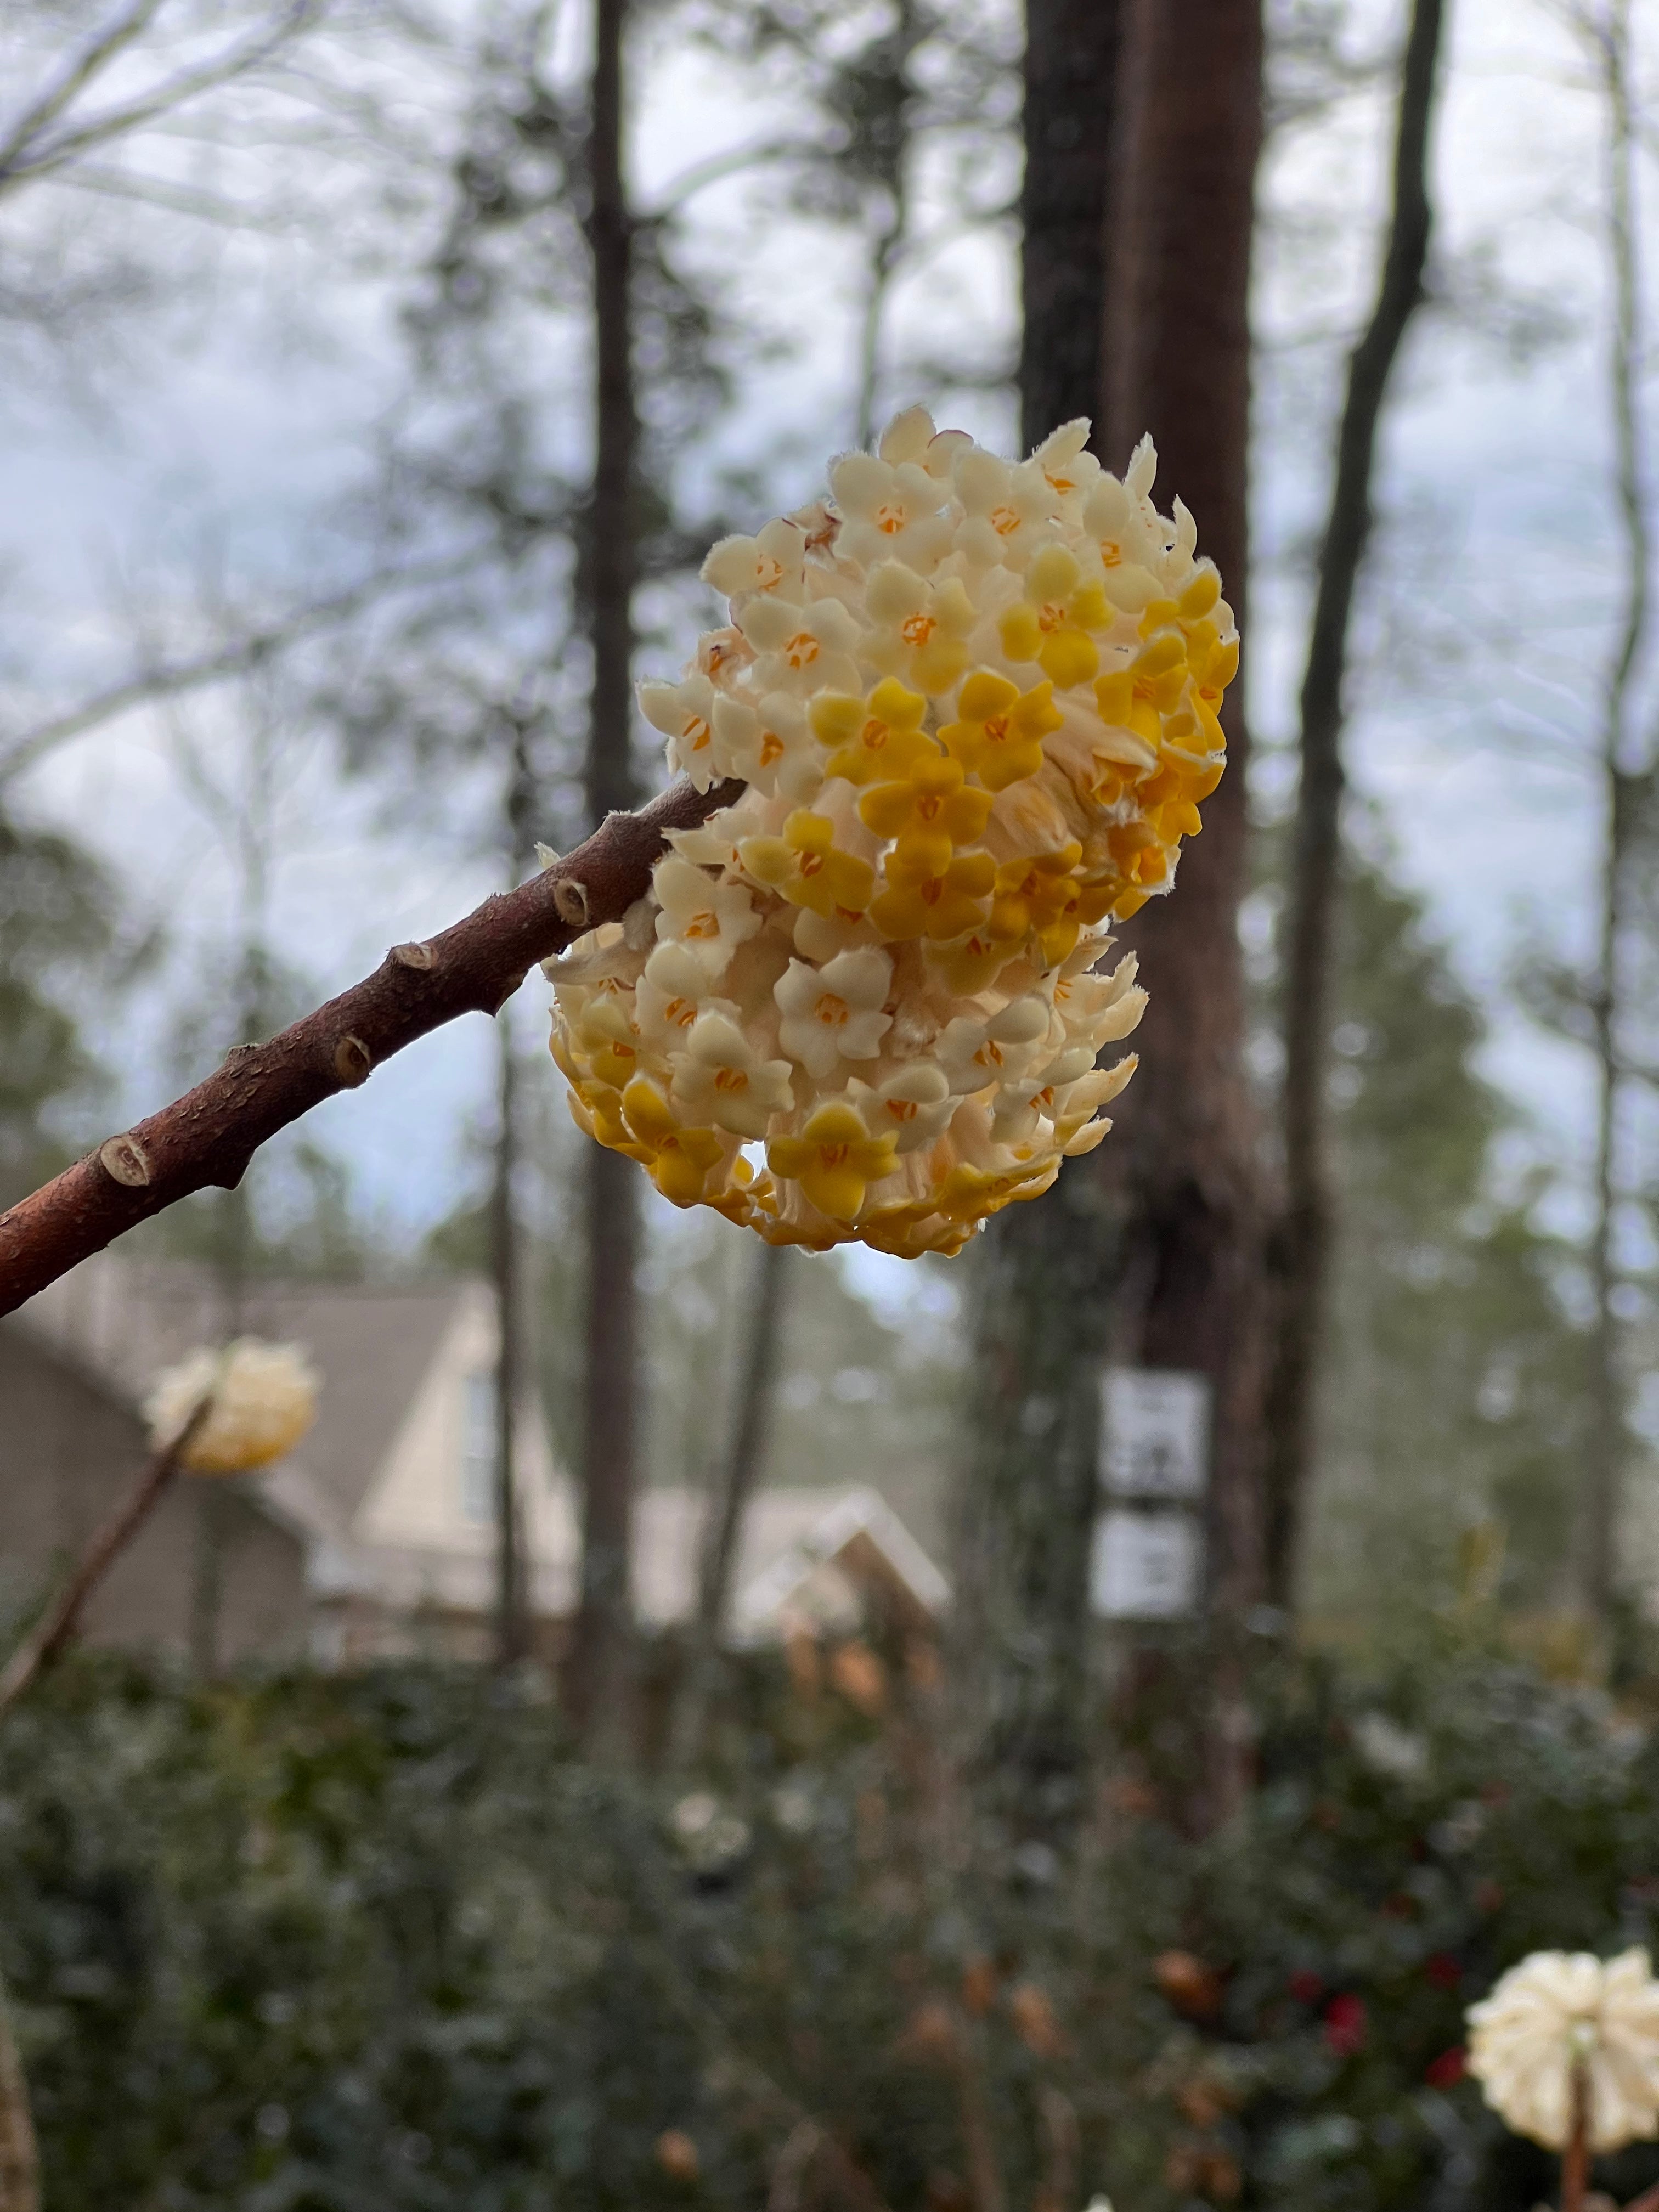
(890,520)
(1050,618)
(705,924)
(996,729)
(771,748)
(1111,553)
(1005,520)
(802,649)
(1060,483)
(768,571)
(833,1154)
(731,1078)
(697,730)
(681,1012)
(916,629)
(927,807)
(832,1011)
(810,864)
(874,735)
(903,1110)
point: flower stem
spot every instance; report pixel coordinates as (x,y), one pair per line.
(1575,2160)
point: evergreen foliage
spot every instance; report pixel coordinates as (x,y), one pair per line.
(383,1942)
(1452,1408)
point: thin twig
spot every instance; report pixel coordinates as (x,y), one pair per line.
(22,163)
(20,2165)
(239,656)
(207,1137)
(74,80)
(51,1632)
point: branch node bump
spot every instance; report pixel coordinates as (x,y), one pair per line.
(509,988)
(352,1062)
(416,956)
(570,898)
(124,1161)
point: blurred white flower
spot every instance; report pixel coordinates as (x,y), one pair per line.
(1560,2010)
(264,1400)
(709,1837)
(1388,1749)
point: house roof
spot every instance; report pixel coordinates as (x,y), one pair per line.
(801,1553)
(124,1319)
(806,1555)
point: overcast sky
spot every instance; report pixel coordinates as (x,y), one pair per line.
(239,421)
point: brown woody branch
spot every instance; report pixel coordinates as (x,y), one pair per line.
(59,1622)
(209,1136)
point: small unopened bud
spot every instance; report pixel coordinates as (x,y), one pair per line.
(352,1062)
(124,1158)
(412,955)
(547,856)
(570,898)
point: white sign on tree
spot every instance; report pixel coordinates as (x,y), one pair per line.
(1145,1566)
(1154,1433)
(1147,1562)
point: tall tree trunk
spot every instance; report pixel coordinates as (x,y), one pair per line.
(730,1502)
(1622,792)
(511,1625)
(1181,1168)
(604,1636)
(1071,79)
(1304,1234)
(511,1637)
(1026,1503)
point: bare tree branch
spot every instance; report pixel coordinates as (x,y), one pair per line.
(58,1624)
(74,80)
(237,658)
(21,160)
(209,1136)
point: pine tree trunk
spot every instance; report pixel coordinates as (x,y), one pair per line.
(604,1640)
(1303,1238)
(1180,1170)
(1026,1505)
(1153,1250)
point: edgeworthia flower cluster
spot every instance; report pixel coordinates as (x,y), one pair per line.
(265,1401)
(975,706)
(1558,2011)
